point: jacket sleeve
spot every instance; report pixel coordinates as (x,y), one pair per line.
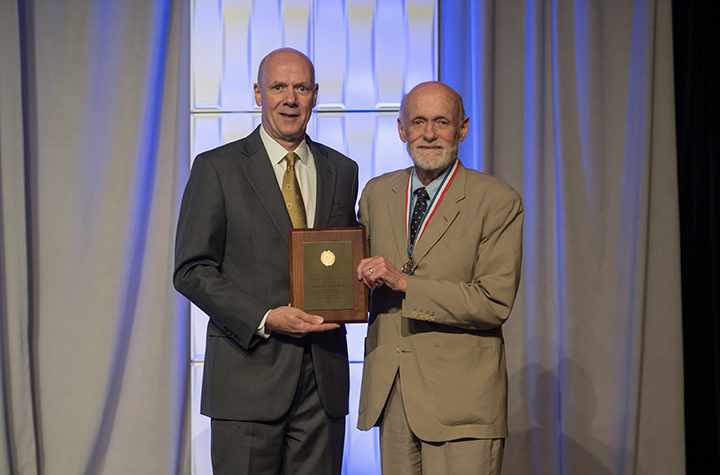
(199,253)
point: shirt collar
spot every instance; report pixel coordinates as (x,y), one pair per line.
(277,152)
(431,188)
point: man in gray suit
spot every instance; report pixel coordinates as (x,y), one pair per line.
(446,248)
(276,378)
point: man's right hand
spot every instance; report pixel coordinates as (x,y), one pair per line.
(296,323)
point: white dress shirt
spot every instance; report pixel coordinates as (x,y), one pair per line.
(304,171)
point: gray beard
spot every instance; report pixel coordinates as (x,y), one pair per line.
(431,166)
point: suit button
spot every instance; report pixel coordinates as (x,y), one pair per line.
(398,349)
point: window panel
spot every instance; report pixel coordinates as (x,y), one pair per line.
(367,54)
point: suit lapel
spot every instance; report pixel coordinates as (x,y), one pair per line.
(326,177)
(260,174)
(396,212)
(445,213)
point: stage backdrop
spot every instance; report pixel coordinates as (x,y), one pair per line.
(569,101)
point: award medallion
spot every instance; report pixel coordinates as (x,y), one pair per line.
(327,257)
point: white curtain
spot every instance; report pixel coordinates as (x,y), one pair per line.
(94,120)
(572,103)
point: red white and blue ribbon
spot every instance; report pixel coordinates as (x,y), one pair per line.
(447,179)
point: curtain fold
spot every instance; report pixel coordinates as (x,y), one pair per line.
(105,147)
(575,110)
(18,449)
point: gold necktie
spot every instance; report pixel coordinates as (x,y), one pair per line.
(291,193)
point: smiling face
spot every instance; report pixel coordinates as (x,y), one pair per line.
(432,123)
(287,92)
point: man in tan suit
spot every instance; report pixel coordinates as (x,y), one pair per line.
(446,247)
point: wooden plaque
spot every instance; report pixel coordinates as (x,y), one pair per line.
(322,273)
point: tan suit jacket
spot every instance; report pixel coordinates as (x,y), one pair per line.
(443,335)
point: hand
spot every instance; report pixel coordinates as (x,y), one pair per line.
(296,323)
(376,271)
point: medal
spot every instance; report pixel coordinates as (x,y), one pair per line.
(409,267)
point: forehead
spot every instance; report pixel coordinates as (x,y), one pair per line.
(431,102)
(284,66)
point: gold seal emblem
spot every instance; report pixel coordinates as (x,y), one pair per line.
(327,258)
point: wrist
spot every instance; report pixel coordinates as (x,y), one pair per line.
(402,287)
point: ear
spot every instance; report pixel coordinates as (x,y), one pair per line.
(316,88)
(463,129)
(258,96)
(401,130)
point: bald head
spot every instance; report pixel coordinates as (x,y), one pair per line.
(283,55)
(433,89)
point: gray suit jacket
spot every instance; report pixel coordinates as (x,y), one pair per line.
(443,335)
(231,260)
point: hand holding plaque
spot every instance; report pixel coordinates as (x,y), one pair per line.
(376,271)
(294,322)
(322,273)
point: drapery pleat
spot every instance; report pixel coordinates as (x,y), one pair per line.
(572,103)
(105,144)
(18,447)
